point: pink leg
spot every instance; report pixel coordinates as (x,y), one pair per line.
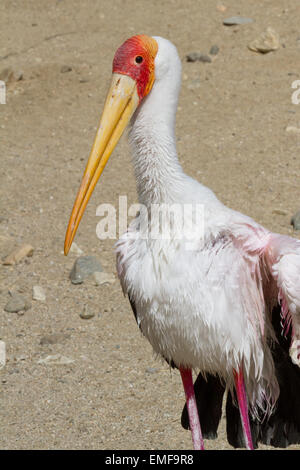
(243,406)
(187,380)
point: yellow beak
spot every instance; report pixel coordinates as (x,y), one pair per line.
(121,102)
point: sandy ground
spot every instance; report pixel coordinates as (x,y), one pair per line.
(231,129)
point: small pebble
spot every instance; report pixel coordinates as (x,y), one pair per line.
(204,58)
(86,314)
(65,69)
(197,57)
(237,20)
(10,75)
(17,303)
(193,56)
(19,253)
(293,130)
(75,249)
(103,278)
(38,293)
(151,370)
(83,267)
(279,212)
(268,41)
(214,50)
(2,354)
(53,338)
(221,8)
(55,359)
(295,221)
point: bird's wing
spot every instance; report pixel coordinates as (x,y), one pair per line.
(283,260)
(280,257)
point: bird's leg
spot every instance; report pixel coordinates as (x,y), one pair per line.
(243,406)
(187,380)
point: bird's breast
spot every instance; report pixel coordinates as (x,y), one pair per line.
(189,303)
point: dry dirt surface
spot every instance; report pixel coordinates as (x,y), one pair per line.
(231,131)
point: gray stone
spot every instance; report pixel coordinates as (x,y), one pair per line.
(236,20)
(17,303)
(295,222)
(83,267)
(53,338)
(151,370)
(214,50)
(65,69)
(56,359)
(197,57)
(193,56)
(85,314)
(204,58)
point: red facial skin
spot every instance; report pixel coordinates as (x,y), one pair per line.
(143,72)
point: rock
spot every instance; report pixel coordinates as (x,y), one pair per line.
(2,354)
(17,303)
(150,370)
(18,75)
(54,338)
(9,75)
(56,359)
(38,293)
(237,20)
(293,130)
(295,221)
(221,8)
(193,56)
(83,267)
(65,69)
(85,314)
(197,57)
(214,50)
(204,58)
(18,254)
(103,278)
(75,249)
(268,41)
(279,212)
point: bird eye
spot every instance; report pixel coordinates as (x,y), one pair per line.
(139,59)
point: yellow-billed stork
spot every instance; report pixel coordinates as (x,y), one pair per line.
(227,305)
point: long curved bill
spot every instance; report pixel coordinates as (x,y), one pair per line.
(121,102)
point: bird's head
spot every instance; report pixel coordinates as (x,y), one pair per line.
(135,59)
(138,62)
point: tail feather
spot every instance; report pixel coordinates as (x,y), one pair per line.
(281,428)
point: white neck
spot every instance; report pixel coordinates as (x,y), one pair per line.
(158,173)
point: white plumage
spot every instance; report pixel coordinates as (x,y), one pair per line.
(207,308)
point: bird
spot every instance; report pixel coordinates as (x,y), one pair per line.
(214,292)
